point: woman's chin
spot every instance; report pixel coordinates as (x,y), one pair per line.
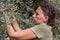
(36,23)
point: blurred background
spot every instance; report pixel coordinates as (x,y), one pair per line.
(23,10)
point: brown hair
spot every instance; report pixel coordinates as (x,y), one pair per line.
(49,10)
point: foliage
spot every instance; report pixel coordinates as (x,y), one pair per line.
(23,9)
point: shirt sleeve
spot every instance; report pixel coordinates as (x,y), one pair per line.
(41,31)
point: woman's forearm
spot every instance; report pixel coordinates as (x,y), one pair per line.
(10,29)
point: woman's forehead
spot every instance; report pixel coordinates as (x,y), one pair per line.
(39,10)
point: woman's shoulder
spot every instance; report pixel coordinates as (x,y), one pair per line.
(42,31)
(42,26)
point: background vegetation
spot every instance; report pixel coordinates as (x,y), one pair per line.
(23,9)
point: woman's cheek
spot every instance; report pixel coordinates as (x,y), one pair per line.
(39,17)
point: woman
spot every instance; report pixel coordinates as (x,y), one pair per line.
(43,17)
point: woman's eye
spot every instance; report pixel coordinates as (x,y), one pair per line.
(36,13)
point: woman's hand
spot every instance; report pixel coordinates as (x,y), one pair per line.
(14,18)
(15,24)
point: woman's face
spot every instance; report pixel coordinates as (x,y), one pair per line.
(39,17)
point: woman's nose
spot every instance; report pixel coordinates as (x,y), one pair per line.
(33,15)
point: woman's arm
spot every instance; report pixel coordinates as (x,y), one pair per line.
(22,34)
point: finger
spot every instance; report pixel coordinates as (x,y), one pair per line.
(14,18)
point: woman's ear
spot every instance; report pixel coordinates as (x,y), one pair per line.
(46,19)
